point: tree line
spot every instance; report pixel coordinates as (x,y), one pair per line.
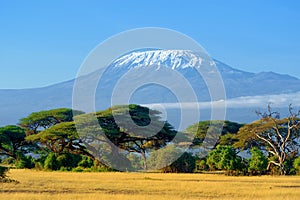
(49,140)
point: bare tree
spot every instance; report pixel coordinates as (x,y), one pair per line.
(278,136)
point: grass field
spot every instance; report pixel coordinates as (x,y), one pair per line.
(123,186)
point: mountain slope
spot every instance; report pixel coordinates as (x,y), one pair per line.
(16,104)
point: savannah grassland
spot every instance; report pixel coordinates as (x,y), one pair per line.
(125,186)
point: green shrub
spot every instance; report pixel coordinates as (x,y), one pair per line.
(38,165)
(258,162)
(201,165)
(24,162)
(186,163)
(224,158)
(297,165)
(86,162)
(78,169)
(3,171)
(51,162)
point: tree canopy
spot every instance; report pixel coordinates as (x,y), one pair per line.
(129,137)
(224,158)
(277,136)
(61,138)
(12,140)
(38,121)
(201,129)
(138,137)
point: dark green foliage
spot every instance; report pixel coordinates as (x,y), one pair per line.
(136,161)
(51,162)
(38,121)
(201,129)
(258,162)
(139,139)
(8,160)
(164,157)
(99,167)
(224,158)
(289,166)
(201,165)
(60,138)
(125,136)
(3,171)
(172,159)
(118,160)
(52,137)
(186,163)
(3,176)
(40,159)
(12,140)
(68,160)
(296,165)
(279,137)
(86,162)
(23,162)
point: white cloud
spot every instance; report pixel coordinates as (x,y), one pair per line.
(279,100)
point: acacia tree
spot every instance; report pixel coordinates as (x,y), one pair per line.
(207,129)
(48,131)
(12,141)
(139,139)
(39,121)
(278,136)
(122,134)
(61,138)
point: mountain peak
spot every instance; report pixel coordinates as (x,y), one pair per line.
(175,59)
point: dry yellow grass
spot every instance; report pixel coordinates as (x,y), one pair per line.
(146,186)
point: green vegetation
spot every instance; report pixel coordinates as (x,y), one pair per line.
(279,138)
(224,158)
(258,162)
(50,140)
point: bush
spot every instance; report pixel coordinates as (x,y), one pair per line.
(86,162)
(3,171)
(297,165)
(186,163)
(289,166)
(224,158)
(99,167)
(78,169)
(258,162)
(8,161)
(24,162)
(201,166)
(163,159)
(51,162)
(136,161)
(38,165)
(3,177)
(68,160)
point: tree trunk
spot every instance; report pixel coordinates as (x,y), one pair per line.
(145,160)
(282,170)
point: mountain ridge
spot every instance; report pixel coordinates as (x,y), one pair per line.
(18,103)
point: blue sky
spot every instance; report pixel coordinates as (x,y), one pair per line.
(45,42)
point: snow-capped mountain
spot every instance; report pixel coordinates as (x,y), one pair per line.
(175,59)
(240,86)
(237,82)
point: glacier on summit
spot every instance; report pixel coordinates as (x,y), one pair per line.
(172,58)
